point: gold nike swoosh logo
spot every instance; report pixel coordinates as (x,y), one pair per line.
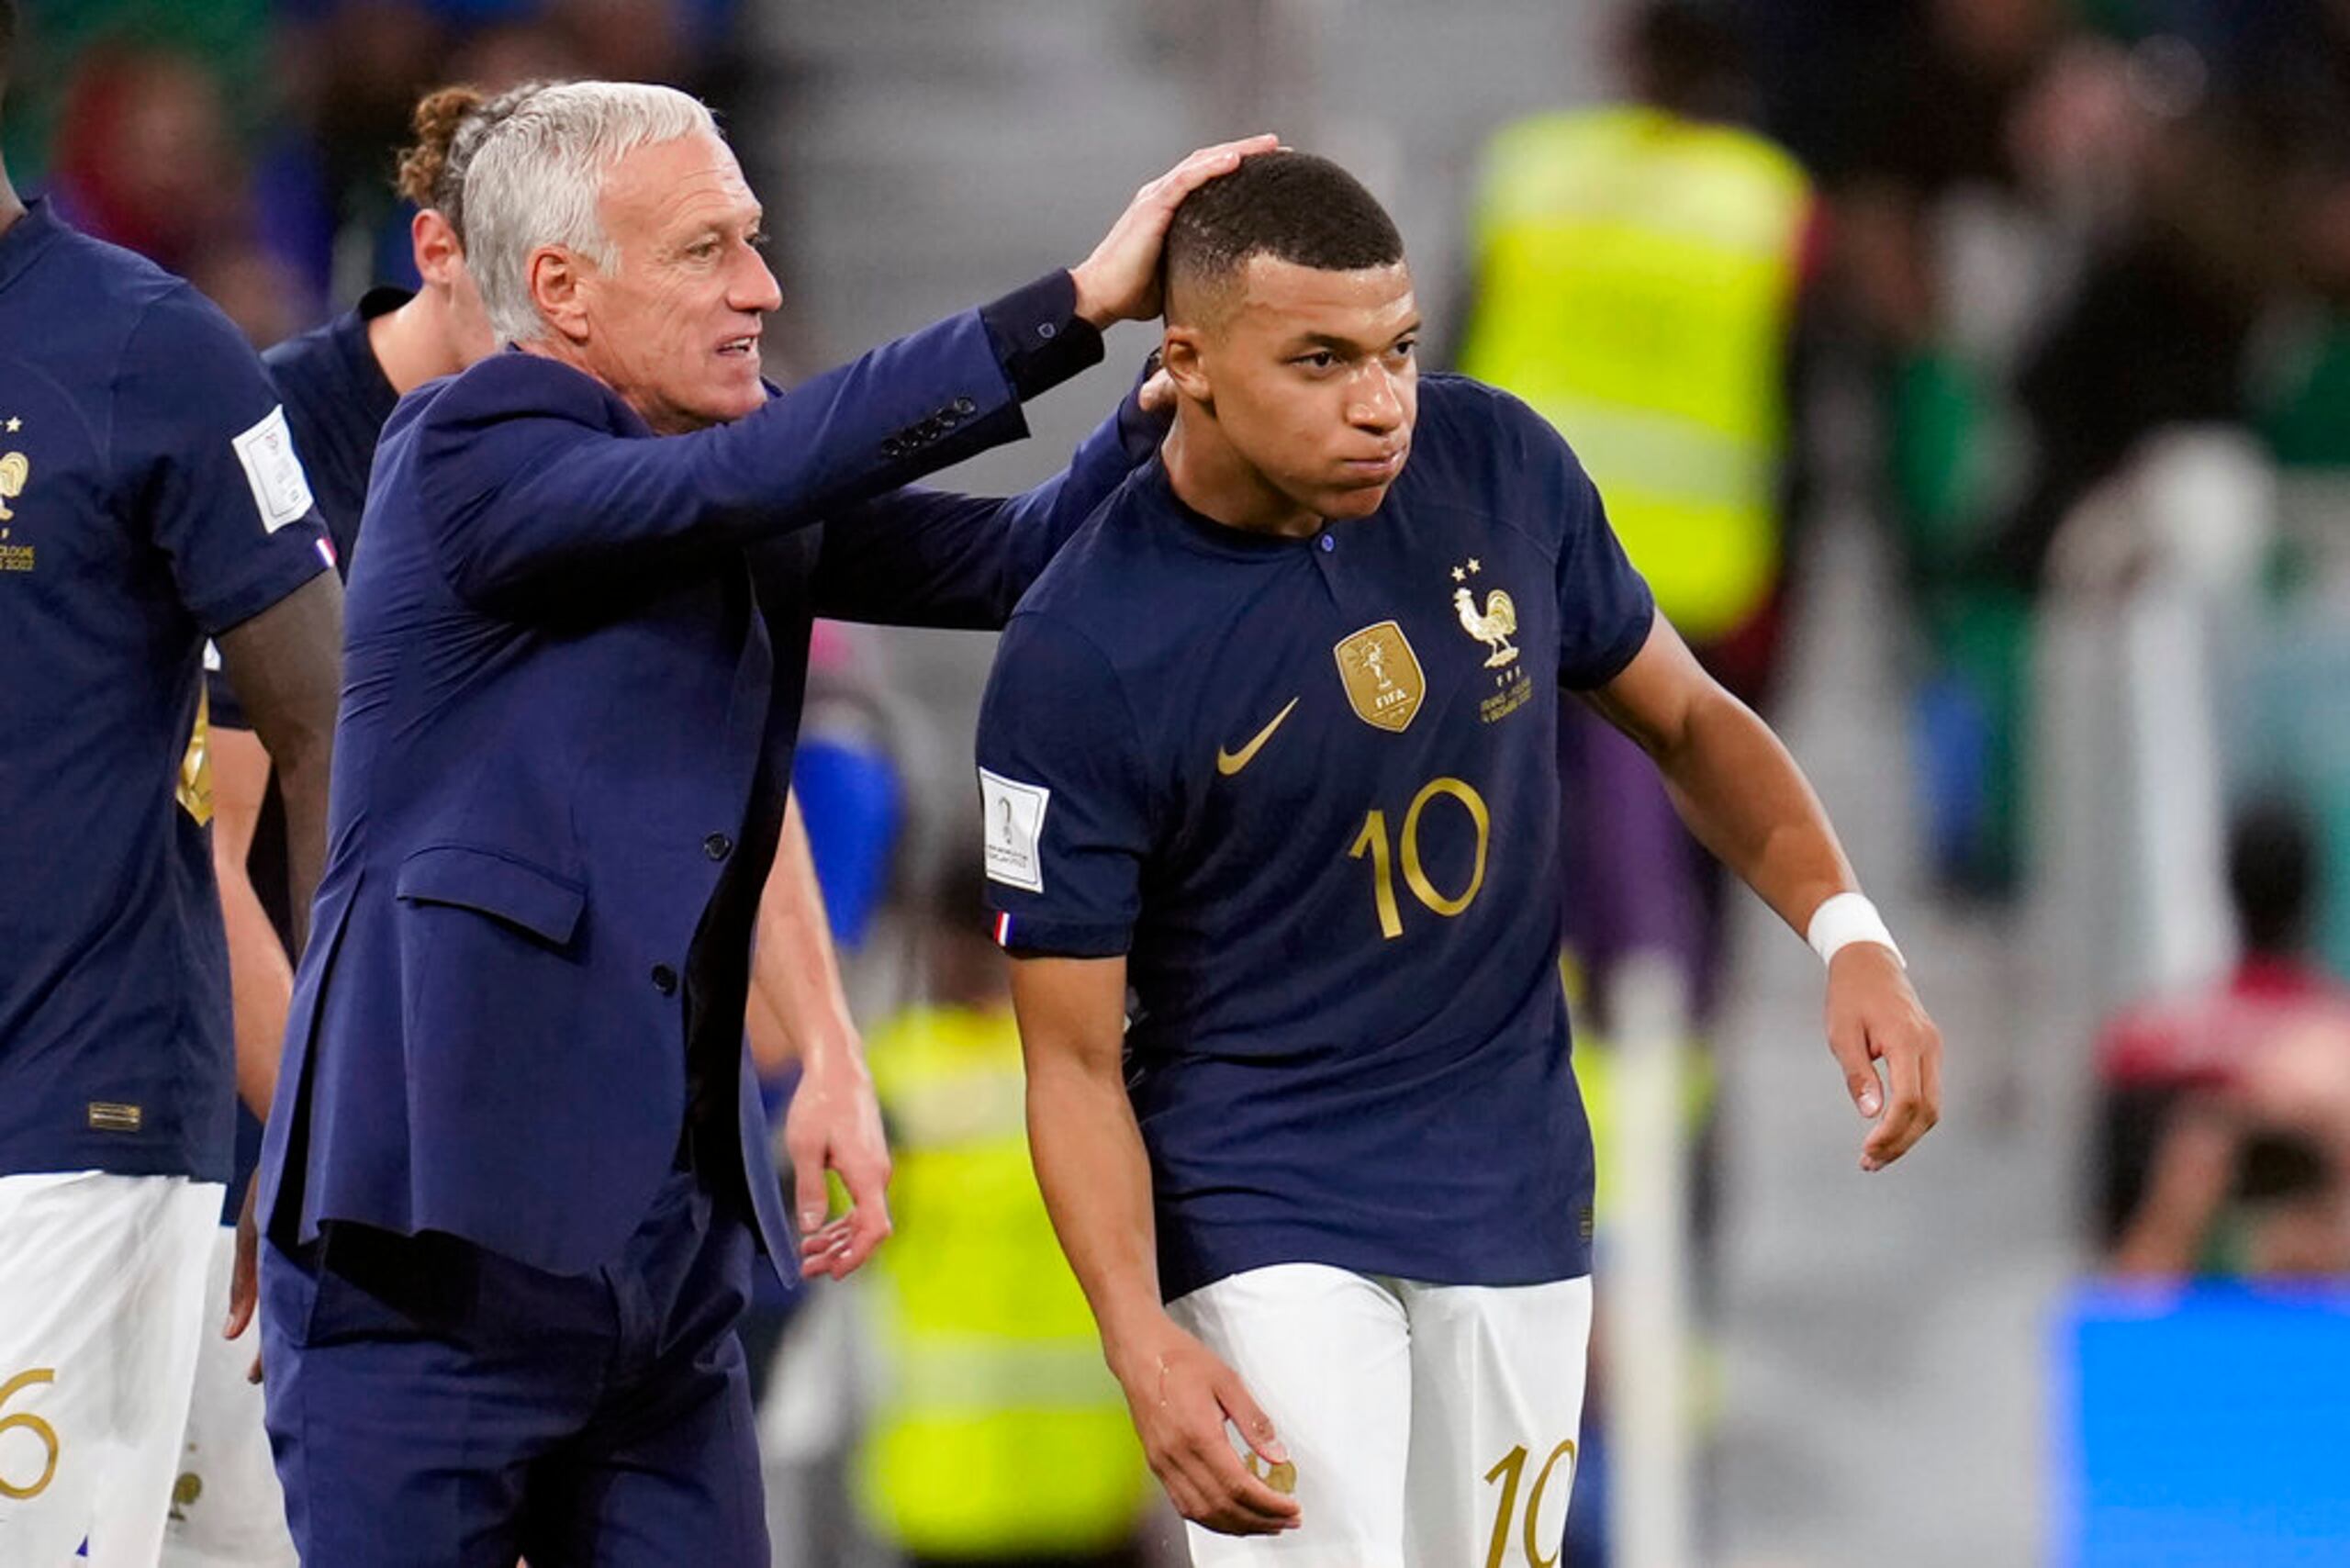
(1231,762)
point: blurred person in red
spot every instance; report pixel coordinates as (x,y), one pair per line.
(148,158)
(2253,1181)
(2198,1092)
(145,157)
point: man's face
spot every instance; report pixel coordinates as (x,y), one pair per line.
(674,325)
(1315,379)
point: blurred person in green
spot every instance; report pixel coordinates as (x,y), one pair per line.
(997,1436)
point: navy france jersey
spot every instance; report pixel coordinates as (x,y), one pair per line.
(148,498)
(1309,787)
(337,401)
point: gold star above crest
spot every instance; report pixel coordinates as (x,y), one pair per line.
(1475,566)
(1458,576)
(15,425)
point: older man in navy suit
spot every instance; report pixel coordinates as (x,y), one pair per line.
(511,1189)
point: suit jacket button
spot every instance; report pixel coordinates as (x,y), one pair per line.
(665,980)
(965,408)
(718,846)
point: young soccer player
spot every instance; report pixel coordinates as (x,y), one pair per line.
(1271,744)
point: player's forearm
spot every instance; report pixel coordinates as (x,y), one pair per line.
(798,1007)
(1740,792)
(286,666)
(261,980)
(261,988)
(1096,1180)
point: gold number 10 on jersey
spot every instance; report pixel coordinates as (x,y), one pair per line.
(1509,1473)
(1373,842)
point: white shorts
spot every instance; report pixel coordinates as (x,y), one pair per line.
(228,1510)
(101,1307)
(1431,1426)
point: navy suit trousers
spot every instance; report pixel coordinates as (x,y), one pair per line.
(432,1405)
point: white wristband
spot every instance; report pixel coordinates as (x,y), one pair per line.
(1843,919)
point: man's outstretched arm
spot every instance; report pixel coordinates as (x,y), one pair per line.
(521,498)
(1742,795)
(1096,1181)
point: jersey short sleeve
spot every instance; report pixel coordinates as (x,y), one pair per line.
(1064,801)
(1605,605)
(203,450)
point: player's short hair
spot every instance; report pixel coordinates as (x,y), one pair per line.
(449,125)
(537,177)
(1292,206)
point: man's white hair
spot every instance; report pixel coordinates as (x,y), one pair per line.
(538,175)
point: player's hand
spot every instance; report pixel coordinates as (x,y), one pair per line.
(244,1275)
(1119,282)
(1873,1016)
(1180,1394)
(834,1124)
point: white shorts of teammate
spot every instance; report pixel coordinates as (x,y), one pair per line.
(1431,1426)
(101,1310)
(228,1510)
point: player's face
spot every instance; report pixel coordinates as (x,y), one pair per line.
(1316,381)
(673,324)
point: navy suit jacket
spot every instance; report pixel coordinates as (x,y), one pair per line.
(574,654)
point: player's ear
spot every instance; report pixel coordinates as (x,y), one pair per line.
(433,243)
(556,288)
(1179,355)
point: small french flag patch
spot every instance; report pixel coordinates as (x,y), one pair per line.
(1003,930)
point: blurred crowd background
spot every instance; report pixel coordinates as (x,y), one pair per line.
(1972,379)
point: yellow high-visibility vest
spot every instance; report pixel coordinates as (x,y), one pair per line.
(998,1430)
(1636,274)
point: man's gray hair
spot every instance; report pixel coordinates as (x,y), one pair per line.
(538,175)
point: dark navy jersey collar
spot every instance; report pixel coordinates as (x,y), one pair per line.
(1203,533)
(26,239)
(352,342)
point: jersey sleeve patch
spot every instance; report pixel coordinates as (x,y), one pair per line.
(281,490)
(1013,818)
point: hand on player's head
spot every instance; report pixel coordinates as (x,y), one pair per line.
(1119,281)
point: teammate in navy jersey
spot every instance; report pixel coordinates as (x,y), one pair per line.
(1271,744)
(149,498)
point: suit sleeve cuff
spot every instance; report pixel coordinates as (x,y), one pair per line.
(1038,337)
(1140,435)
